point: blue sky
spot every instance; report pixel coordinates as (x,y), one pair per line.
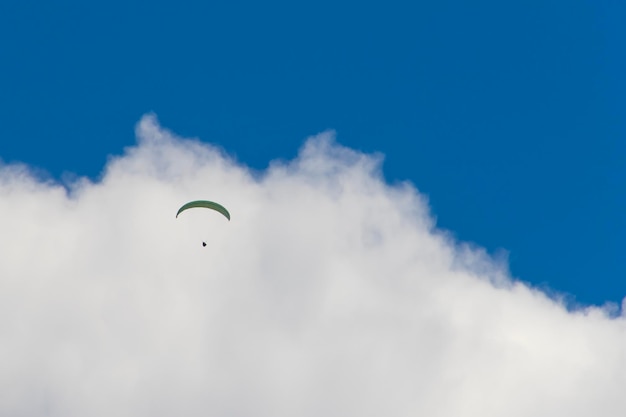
(506,114)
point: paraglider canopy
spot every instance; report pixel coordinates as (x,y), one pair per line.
(205,204)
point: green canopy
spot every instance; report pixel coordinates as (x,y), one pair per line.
(205,204)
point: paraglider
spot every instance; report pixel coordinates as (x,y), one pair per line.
(205,204)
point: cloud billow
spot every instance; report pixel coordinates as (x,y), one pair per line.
(330,293)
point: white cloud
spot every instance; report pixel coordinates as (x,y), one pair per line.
(330,293)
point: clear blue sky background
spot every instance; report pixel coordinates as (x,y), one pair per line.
(508,114)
